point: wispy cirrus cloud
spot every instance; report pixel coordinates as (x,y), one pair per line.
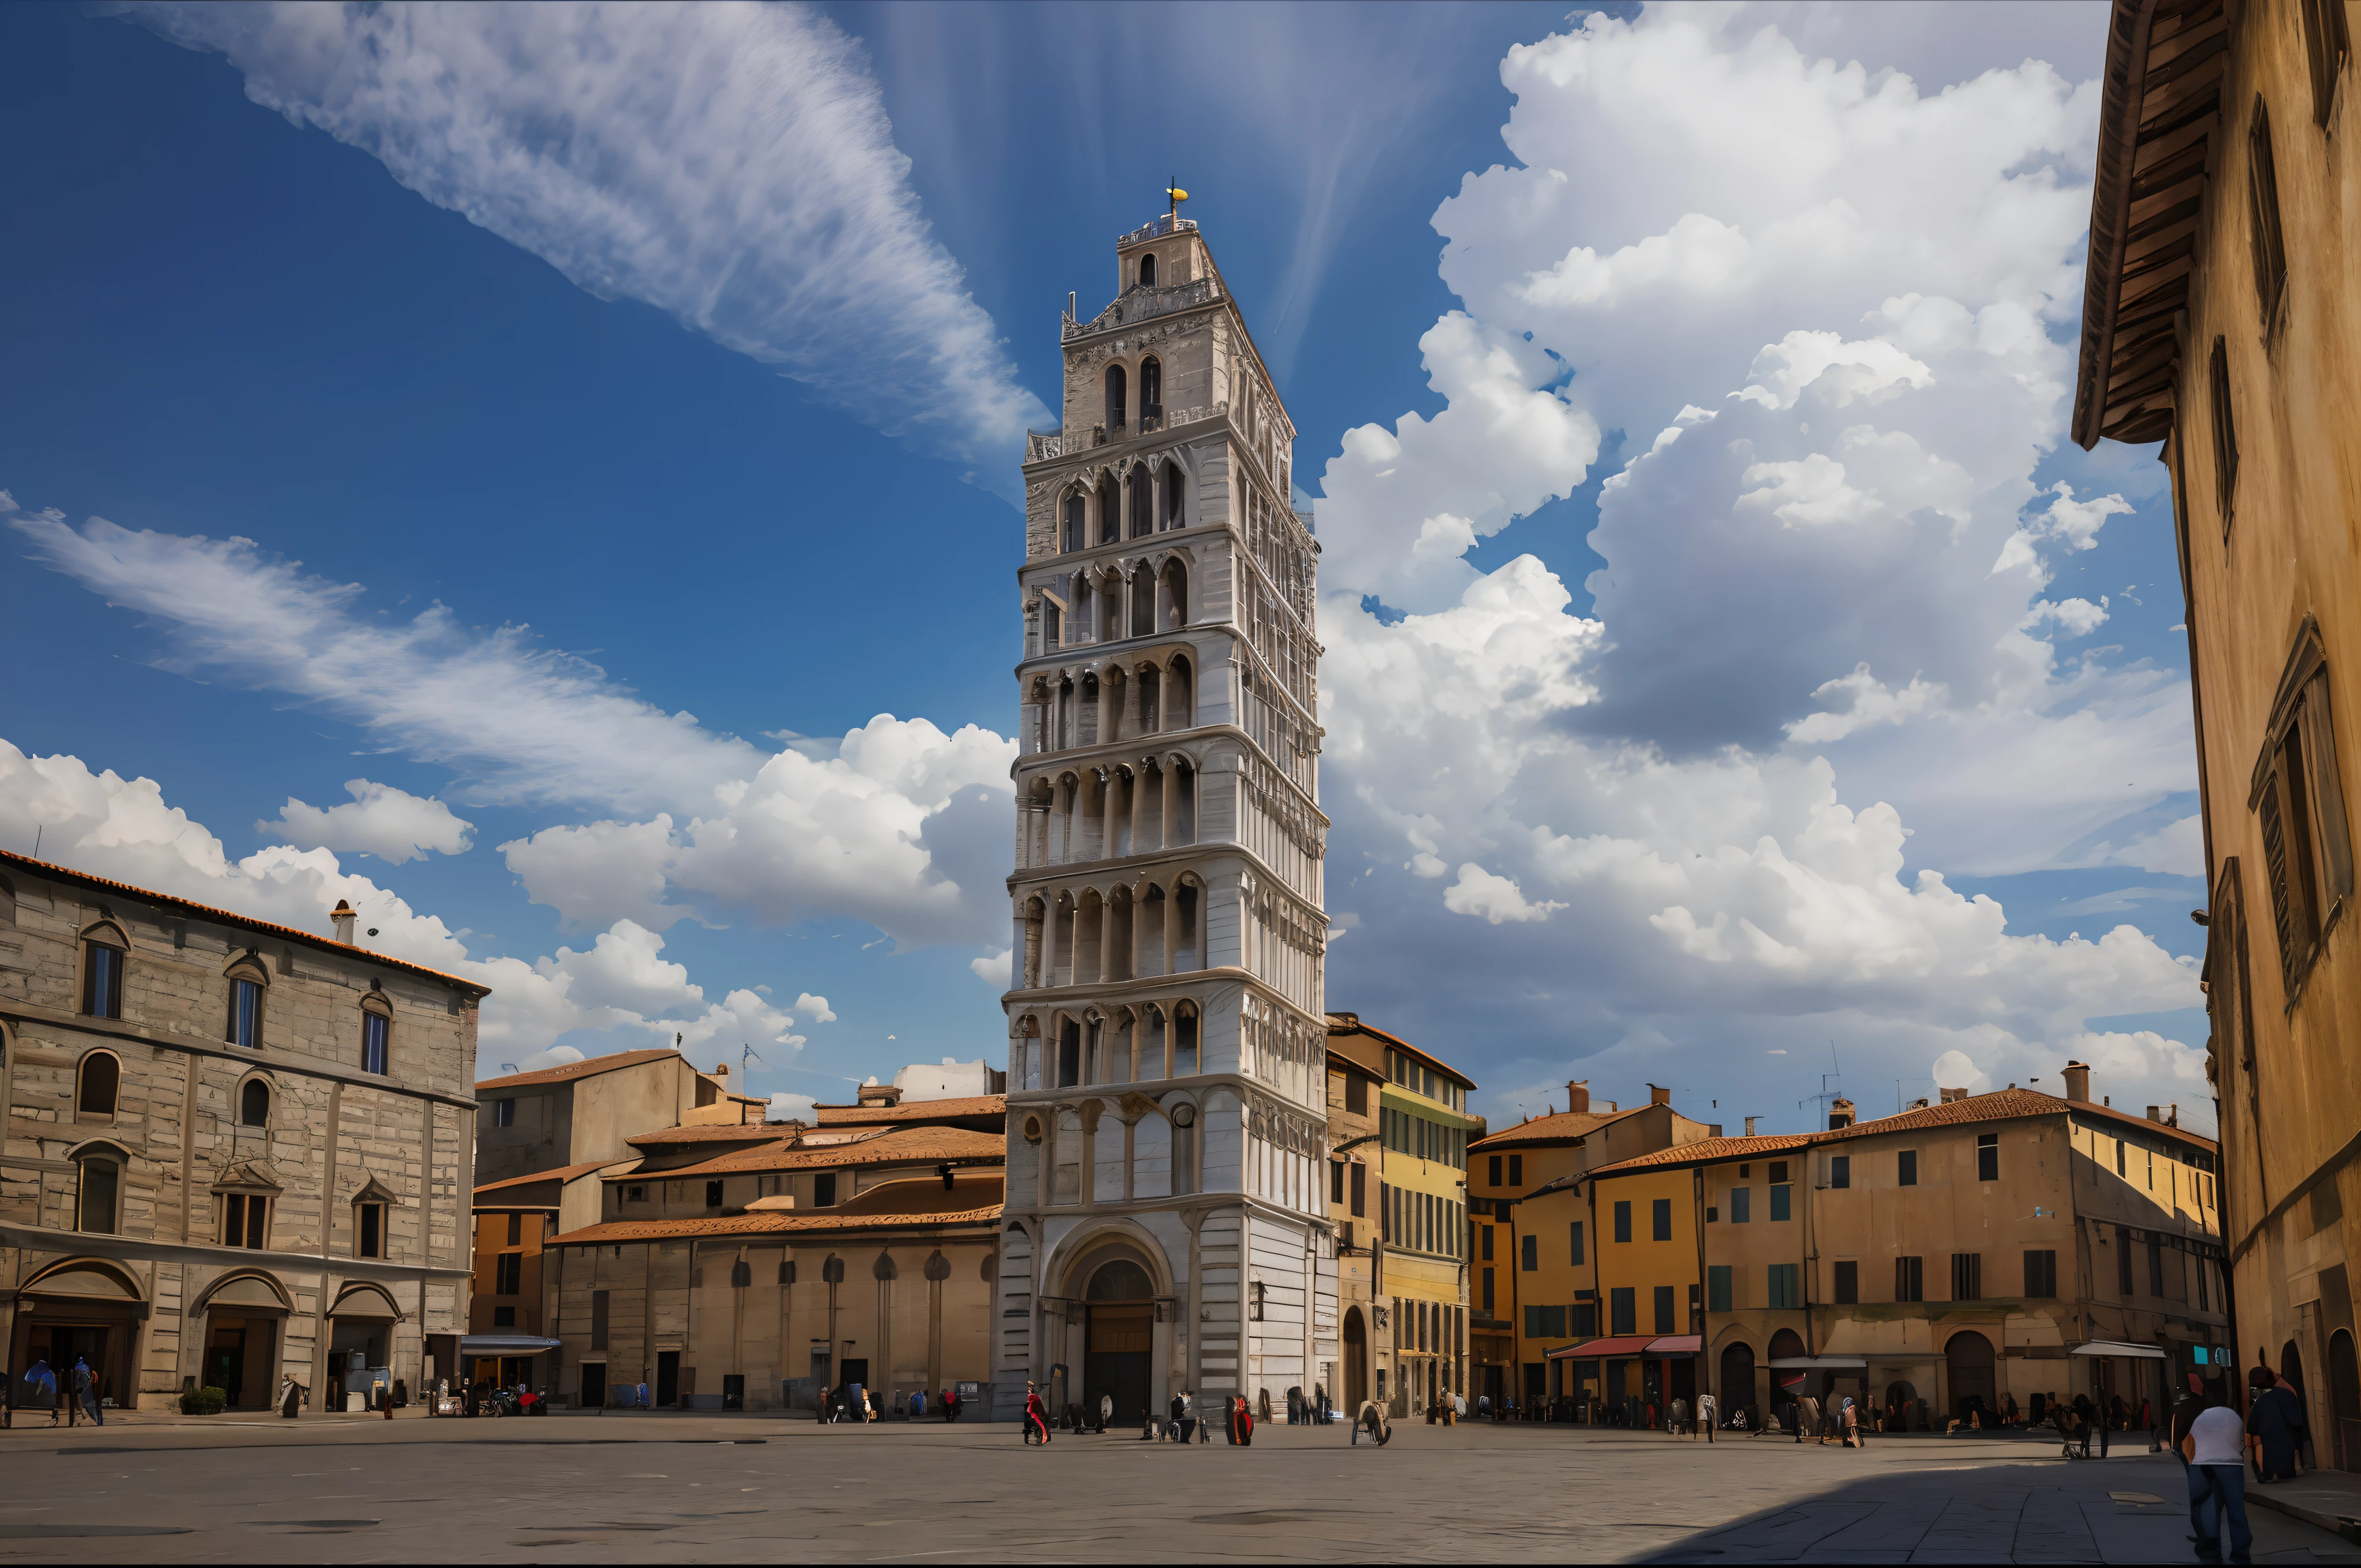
(730,164)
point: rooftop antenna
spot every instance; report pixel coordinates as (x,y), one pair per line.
(747,1055)
(509,1067)
(1826,1093)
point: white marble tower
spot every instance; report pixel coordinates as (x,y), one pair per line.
(1166,1216)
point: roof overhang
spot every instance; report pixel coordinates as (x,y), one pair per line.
(2161,108)
(2118,1347)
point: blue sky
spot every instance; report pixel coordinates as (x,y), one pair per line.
(368,356)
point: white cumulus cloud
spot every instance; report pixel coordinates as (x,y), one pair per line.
(391,824)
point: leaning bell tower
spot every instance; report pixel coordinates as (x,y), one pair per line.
(1166,1224)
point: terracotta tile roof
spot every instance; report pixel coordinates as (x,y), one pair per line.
(587,1068)
(914,1110)
(1565,1126)
(230,917)
(1350,1024)
(773,1222)
(895,1145)
(713,1133)
(562,1173)
(1711,1151)
(2000,1105)
(925,1194)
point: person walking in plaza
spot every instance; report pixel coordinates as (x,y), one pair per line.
(44,1385)
(1856,1430)
(1180,1427)
(2273,1426)
(85,1390)
(1372,1420)
(1037,1416)
(2215,1448)
(1709,1409)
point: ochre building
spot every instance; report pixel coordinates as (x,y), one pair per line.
(2221,317)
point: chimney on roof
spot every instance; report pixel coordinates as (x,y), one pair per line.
(1919,1104)
(343,917)
(1577,1095)
(1951,1094)
(721,1069)
(1840,1114)
(2156,1112)
(1750,1124)
(1658,1095)
(884,1095)
(2172,1117)
(2078,1083)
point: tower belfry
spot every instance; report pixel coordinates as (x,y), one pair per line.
(1167,1109)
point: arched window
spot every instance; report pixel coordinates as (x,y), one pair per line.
(1151,393)
(1115,387)
(1180,697)
(1143,488)
(254,1105)
(1148,270)
(1172,518)
(98,1193)
(1143,601)
(103,950)
(1110,511)
(885,1268)
(1072,541)
(741,1274)
(377,1034)
(99,1085)
(1053,622)
(1175,597)
(243,1027)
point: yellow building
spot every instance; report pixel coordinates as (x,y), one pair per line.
(1536,1245)
(1356,1155)
(1420,1281)
(1993,1247)
(2223,317)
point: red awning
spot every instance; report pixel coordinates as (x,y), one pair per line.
(1623,1344)
(1676,1345)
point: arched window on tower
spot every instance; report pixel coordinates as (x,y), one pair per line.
(1115,388)
(254,1105)
(1110,510)
(1171,488)
(1072,539)
(1148,270)
(1151,394)
(99,1085)
(1143,601)
(1174,606)
(1143,490)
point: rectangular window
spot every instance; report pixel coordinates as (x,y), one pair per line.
(1493,1165)
(1483,1242)
(1488,1292)
(2327,46)
(635,1194)
(102,979)
(1781,1197)
(2225,432)
(246,1221)
(1665,1322)
(1360,1189)
(1586,1319)
(1622,1221)
(1778,1170)
(1516,1170)
(1574,1234)
(508,1273)
(371,1226)
(1356,1095)
(2041,1274)
(2154,1264)
(1786,1285)
(1660,1221)
(1741,1205)
(1840,1170)
(1622,1311)
(1717,1288)
(374,1027)
(2123,1158)
(245,1014)
(1907,1168)
(1848,1283)
(1697,1310)
(504,1113)
(1910,1279)
(1967,1276)
(1531,1259)
(1987,1157)
(598,1319)
(1532,1321)
(713,1195)
(1336,1181)
(2123,1286)
(516,1230)
(1553,1323)
(2263,217)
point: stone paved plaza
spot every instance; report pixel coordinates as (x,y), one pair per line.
(685,1488)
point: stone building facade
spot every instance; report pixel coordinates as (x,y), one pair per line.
(2221,317)
(1167,1224)
(232,1149)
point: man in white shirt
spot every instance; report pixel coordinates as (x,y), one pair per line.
(1708,1408)
(2217,1450)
